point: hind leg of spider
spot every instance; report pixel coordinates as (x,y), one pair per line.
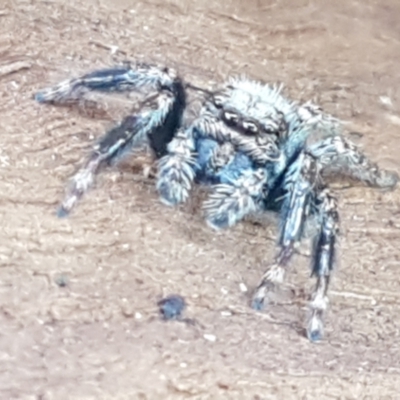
(337,154)
(299,185)
(154,125)
(323,261)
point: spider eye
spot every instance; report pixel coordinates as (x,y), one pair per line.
(250,127)
(218,101)
(270,130)
(231,117)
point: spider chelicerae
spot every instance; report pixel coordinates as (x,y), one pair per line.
(249,144)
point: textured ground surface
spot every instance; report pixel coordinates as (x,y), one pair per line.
(99,336)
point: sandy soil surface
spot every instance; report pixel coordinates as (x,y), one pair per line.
(98,336)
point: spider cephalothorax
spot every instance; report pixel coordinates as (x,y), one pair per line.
(249,144)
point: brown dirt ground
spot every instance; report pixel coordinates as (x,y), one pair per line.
(121,250)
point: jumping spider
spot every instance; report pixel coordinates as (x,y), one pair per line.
(249,144)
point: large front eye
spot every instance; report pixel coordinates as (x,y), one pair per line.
(231,118)
(250,127)
(271,130)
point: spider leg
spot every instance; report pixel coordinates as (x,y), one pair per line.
(323,261)
(299,184)
(176,170)
(154,124)
(118,79)
(228,203)
(337,154)
(221,157)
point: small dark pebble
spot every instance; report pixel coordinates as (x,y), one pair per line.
(171,307)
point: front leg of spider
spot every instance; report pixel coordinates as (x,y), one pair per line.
(323,260)
(154,124)
(298,184)
(305,194)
